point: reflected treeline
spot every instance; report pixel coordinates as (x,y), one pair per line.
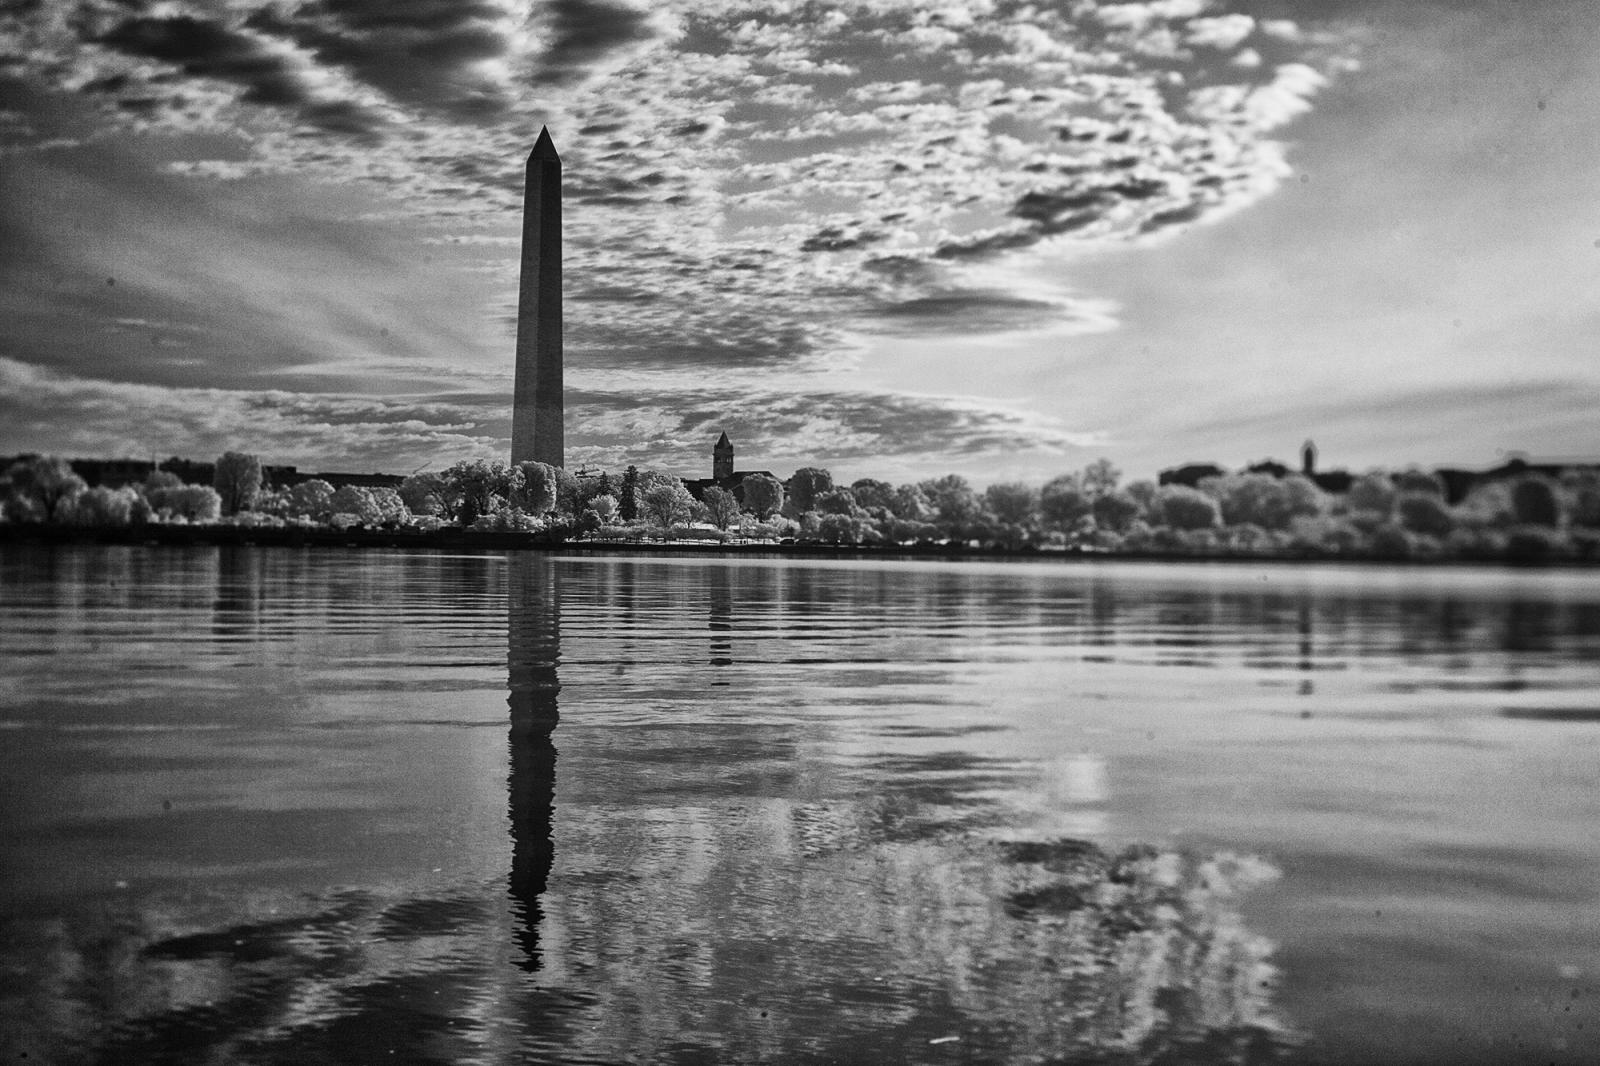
(785,613)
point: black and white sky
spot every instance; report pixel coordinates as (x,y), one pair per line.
(895,239)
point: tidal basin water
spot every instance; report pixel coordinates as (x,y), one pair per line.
(307,806)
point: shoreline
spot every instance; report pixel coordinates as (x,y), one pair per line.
(454,539)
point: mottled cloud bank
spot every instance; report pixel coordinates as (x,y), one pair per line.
(747,184)
(781,428)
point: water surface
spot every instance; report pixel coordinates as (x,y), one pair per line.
(271,805)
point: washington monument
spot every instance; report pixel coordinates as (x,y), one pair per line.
(536,406)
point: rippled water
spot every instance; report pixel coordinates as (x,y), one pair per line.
(337,806)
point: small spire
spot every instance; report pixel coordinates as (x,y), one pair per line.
(722,440)
(544,147)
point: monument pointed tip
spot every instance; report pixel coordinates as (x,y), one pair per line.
(544,147)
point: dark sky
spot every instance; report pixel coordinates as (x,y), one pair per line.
(894,239)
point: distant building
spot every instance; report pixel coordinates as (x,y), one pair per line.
(723,475)
(1190,475)
(1334,481)
(113,473)
(1268,466)
(1458,483)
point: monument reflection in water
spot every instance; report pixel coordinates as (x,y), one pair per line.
(534,605)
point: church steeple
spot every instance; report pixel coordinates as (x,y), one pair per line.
(722,458)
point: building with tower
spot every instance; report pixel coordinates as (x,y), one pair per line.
(723,475)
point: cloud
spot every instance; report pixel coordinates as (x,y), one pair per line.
(777,428)
(433,54)
(735,184)
(582,34)
(1223,32)
(784,429)
(113,419)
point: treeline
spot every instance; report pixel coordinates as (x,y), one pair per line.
(1383,515)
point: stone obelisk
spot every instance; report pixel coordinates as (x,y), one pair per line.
(536,406)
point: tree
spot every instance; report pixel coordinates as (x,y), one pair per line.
(629,500)
(475,487)
(1263,500)
(356,502)
(1534,501)
(873,494)
(1012,502)
(1144,492)
(606,508)
(911,504)
(1373,493)
(763,495)
(1424,512)
(533,487)
(1415,479)
(953,501)
(1181,507)
(1581,490)
(194,503)
(721,507)
(835,528)
(595,487)
(1488,505)
(101,507)
(1063,501)
(161,479)
(667,504)
(392,510)
(805,486)
(1304,497)
(1100,478)
(237,479)
(838,501)
(424,493)
(311,499)
(569,492)
(1115,510)
(42,484)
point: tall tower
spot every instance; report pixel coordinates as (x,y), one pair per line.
(536,404)
(722,458)
(1308,459)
